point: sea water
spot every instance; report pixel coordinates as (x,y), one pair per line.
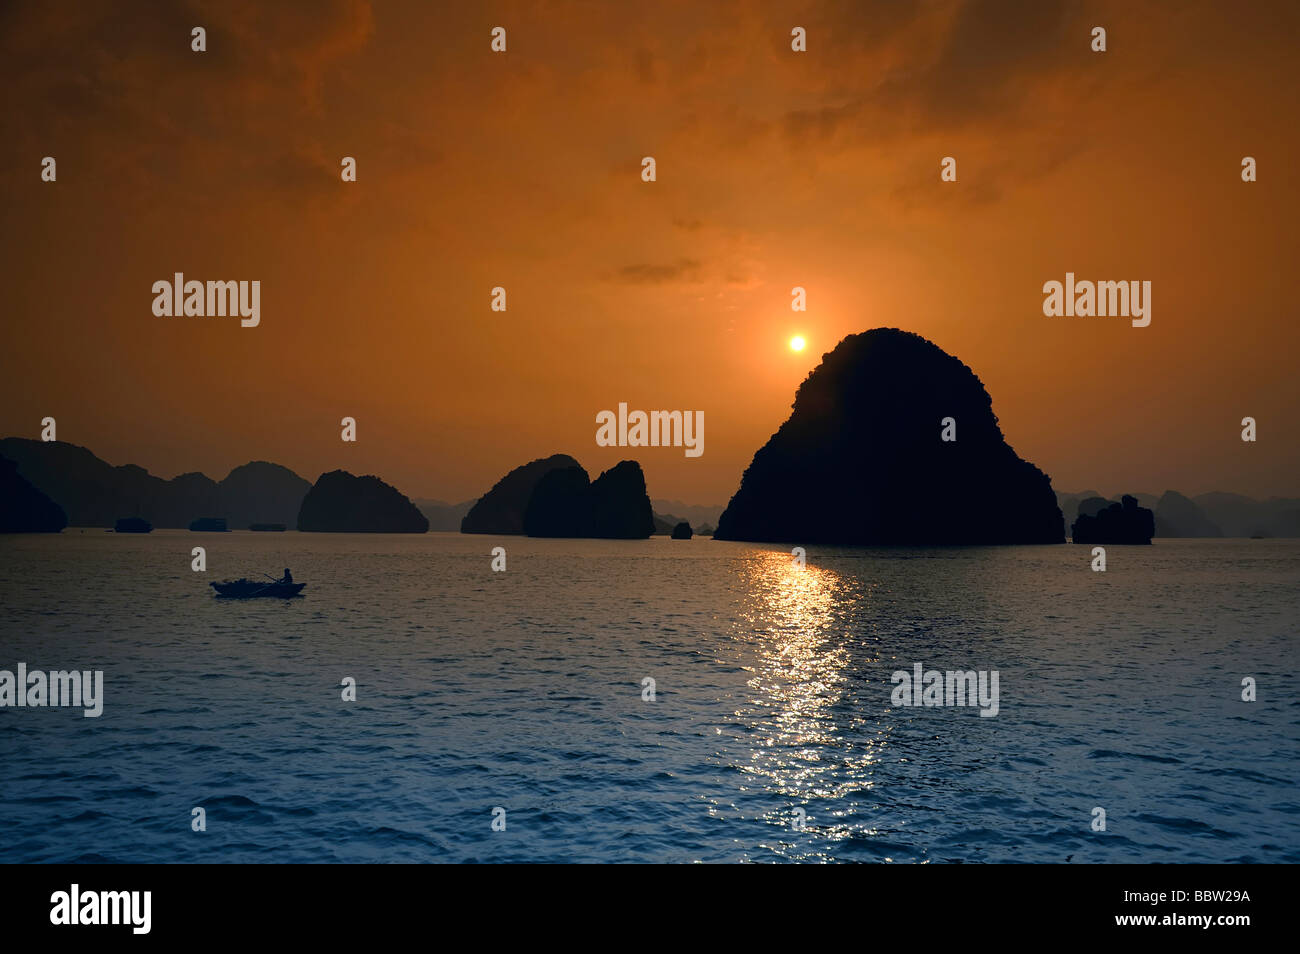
(769,735)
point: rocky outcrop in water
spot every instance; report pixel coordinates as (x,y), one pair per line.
(682,531)
(1123,522)
(620,505)
(613,506)
(340,502)
(560,506)
(23,508)
(861,460)
(501,509)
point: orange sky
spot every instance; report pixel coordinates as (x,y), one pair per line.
(522,169)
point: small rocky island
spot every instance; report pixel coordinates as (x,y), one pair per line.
(862,458)
(682,531)
(1123,522)
(340,502)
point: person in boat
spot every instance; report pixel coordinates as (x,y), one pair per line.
(288,577)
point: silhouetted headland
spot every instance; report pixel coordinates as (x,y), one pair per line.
(861,460)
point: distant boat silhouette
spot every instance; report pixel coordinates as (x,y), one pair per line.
(133,525)
(267,527)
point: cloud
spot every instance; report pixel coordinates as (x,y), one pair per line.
(975,66)
(683,270)
(118,91)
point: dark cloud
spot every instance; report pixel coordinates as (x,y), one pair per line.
(993,46)
(120,83)
(956,65)
(683,270)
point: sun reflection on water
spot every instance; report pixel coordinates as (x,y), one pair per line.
(810,747)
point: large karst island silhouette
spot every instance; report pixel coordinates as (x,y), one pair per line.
(863,458)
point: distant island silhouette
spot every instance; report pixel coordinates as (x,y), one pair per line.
(89,492)
(96,494)
(340,502)
(1206,515)
(23,508)
(1123,522)
(444,516)
(861,461)
(701,518)
(1177,516)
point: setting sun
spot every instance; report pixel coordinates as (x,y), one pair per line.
(797,343)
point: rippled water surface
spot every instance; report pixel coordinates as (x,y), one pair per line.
(523,690)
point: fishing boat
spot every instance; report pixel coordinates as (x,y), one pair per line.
(210,525)
(242,589)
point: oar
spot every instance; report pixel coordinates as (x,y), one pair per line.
(274,582)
